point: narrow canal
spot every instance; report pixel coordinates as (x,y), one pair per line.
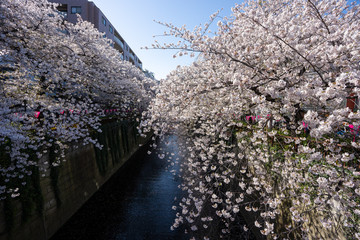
(136,203)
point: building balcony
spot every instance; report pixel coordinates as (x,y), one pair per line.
(118,41)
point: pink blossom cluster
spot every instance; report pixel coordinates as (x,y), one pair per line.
(48,68)
(297,61)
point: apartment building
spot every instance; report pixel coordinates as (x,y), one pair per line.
(90,12)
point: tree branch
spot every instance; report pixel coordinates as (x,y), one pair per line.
(319,15)
(295,50)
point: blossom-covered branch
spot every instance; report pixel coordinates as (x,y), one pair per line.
(296,62)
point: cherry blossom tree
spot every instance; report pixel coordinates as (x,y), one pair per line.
(57,79)
(263,117)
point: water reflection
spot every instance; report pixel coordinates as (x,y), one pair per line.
(134,204)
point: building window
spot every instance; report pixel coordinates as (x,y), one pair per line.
(111,29)
(75,9)
(104,20)
(62,8)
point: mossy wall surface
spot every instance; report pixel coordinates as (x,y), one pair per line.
(76,180)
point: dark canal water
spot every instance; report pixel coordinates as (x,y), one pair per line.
(134,204)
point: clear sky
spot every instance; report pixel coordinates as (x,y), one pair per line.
(134,20)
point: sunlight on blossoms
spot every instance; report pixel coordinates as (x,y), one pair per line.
(268,121)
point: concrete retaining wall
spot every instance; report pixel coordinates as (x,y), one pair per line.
(79,178)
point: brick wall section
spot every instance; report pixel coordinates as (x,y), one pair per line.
(78,180)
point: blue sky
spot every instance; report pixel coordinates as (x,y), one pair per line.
(134,20)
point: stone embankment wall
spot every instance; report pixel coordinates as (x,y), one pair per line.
(66,188)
